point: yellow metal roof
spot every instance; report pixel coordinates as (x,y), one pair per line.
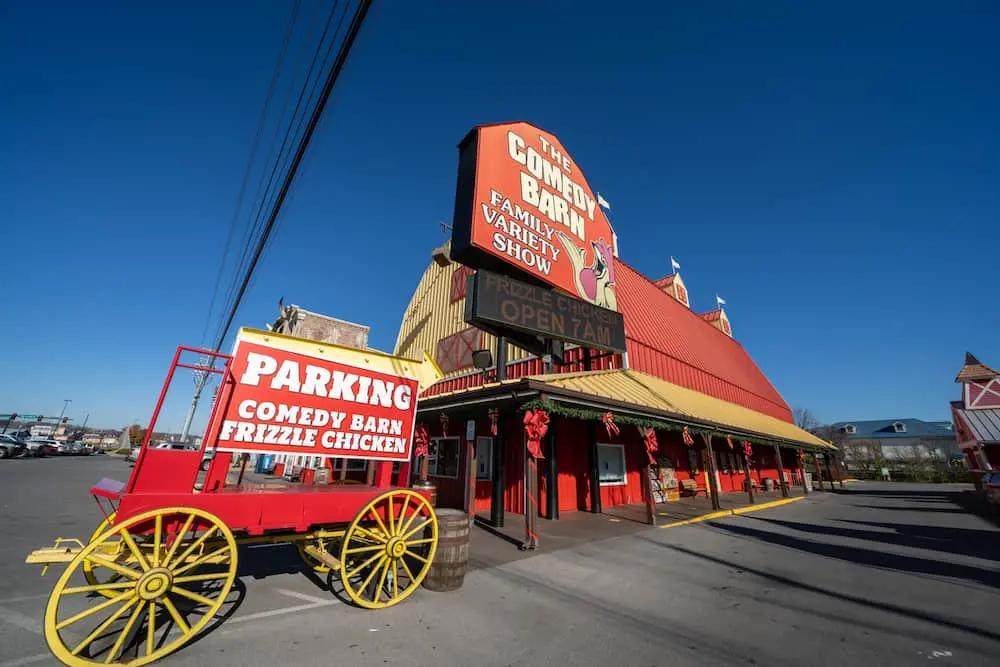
(646,391)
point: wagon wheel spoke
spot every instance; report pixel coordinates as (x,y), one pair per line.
(130,624)
(175,615)
(124,634)
(377,581)
(201,560)
(97,588)
(178,538)
(100,629)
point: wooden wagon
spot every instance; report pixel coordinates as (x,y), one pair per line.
(161,564)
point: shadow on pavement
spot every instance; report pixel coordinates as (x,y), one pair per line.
(870,557)
(838,595)
(962,541)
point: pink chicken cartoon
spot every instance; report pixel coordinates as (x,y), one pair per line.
(594,283)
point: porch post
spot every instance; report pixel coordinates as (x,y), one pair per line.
(595,474)
(551,477)
(470,479)
(800,464)
(840,471)
(647,490)
(531,501)
(499,456)
(819,472)
(829,474)
(749,477)
(712,487)
(781,472)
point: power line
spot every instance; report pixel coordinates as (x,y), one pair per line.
(253,152)
(263,193)
(317,113)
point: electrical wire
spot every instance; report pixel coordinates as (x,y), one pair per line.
(331,80)
(290,28)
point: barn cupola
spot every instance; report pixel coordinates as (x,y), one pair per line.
(718,319)
(980,384)
(674,286)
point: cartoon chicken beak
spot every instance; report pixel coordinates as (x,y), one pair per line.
(599,268)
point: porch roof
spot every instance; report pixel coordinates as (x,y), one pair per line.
(631,391)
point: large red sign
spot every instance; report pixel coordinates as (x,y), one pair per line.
(290,403)
(523,201)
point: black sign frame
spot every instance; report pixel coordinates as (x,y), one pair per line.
(498,303)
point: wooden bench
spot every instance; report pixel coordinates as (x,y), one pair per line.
(690,487)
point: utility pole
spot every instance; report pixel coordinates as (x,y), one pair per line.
(200,378)
(66,402)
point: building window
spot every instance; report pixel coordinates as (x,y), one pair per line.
(899,427)
(611,464)
(484,457)
(850,429)
(442,457)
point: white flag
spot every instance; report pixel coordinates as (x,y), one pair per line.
(676,266)
(720,301)
(602,202)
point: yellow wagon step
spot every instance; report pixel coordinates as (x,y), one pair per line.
(322,556)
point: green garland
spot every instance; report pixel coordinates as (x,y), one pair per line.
(584,414)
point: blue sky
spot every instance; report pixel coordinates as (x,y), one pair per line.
(830,169)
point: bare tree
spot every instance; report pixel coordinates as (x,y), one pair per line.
(805,419)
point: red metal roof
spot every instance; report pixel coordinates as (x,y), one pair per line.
(665,282)
(668,340)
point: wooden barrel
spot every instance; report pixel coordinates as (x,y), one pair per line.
(447,572)
(426,486)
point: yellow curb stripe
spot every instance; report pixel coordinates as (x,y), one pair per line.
(739,510)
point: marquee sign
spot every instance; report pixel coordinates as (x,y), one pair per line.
(521,201)
(293,396)
(494,300)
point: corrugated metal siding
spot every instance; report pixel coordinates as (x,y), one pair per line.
(704,358)
(984,424)
(432,315)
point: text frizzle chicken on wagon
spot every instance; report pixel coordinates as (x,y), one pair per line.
(285,401)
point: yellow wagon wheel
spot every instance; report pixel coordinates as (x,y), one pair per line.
(113,550)
(171,588)
(388,549)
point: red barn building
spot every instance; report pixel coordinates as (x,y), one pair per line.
(976,416)
(682,375)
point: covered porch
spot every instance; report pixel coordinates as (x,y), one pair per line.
(619,444)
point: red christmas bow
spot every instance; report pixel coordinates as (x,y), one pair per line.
(729,441)
(444,424)
(494,416)
(748,450)
(649,437)
(686,434)
(609,424)
(423,439)
(802,456)
(536,425)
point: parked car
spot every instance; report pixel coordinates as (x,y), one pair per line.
(11,447)
(45,447)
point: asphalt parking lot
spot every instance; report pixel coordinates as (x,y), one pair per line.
(881,575)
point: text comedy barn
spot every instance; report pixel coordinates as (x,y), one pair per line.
(284,402)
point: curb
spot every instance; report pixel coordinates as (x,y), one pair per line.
(738,510)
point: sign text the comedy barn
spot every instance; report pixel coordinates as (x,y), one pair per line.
(546,182)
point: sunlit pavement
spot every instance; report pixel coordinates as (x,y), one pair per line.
(877,575)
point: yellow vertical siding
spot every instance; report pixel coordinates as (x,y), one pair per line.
(431,316)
